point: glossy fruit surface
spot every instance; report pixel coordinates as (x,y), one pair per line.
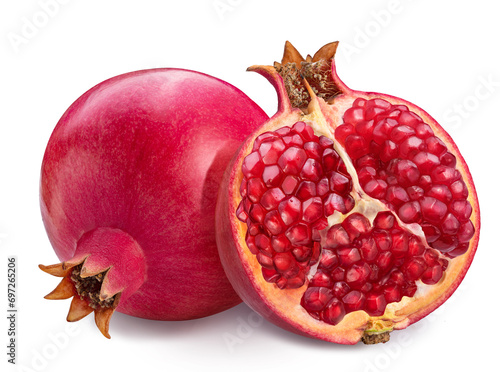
(348,214)
(128,193)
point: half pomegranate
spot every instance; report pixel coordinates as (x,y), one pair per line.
(128,191)
(348,214)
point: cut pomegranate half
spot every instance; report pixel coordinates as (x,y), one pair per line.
(348,214)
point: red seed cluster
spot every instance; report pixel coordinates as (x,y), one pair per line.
(292,180)
(400,161)
(365,268)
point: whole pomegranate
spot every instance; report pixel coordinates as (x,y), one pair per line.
(348,214)
(128,191)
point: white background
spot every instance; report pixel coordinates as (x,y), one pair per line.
(442,55)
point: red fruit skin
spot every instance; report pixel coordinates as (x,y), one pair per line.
(144,153)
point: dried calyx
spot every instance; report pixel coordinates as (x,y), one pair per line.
(86,293)
(316,71)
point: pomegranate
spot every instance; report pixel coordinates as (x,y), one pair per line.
(348,214)
(128,191)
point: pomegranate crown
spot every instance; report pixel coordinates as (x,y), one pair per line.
(315,71)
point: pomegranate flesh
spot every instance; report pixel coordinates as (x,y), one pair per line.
(348,214)
(128,193)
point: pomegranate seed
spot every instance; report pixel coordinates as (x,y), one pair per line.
(289,184)
(312,209)
(263,243)
(410,147)
(415,246)
(444,175)
(400,133)
(265,261)
(459,190)
(379,103)
(330,160)
(264,137)
(376,188)
(271,198)
(306,190)
(410,212)
(328,261)
(396,195)
(292,160)
(354,300)
(304,130)
(355,225)
(465,232)
(432,233)
(399,243)
(348,256)
(448,159)
(384,220)
(415,192)
(392,293)
(435,146)
(388,151)
(354,115)
(409,118)
(338,274)
(383,240)
(323,186)
(450,224)
(368,249)
(458,251)
(335,202)
(340,289)
(423,130)
(316,298)
(432,275)
(356,146)
(273,223)
(461,209)
(334,312)
(414,268)
(270,276)
(359,102)
(252,165)
(240,213)
(336,237)
(425,161)
(283,262)
(302,253)
(257,213)
(272,176)
(440,192)
(357,275)
(313,150)
(290,209)
(311,170)
(445,243)
(299,234)
(255,189)
(433,210)
(270,151)
(382,130)
(280,243)
(340,183)
(325,142)
(375,304)
(322,279)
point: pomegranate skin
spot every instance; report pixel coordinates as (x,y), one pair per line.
(144,153)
